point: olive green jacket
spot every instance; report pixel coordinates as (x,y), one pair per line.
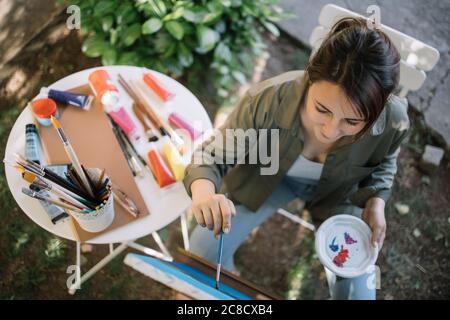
(353,172)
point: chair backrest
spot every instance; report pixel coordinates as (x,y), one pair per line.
(417,57)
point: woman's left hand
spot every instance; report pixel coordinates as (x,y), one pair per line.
(373,215)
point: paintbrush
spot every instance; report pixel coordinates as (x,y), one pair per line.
(34,194)
(35,186)
(72,156)
(152,137)
(139,104)
(41,184)
(132,162)
(143,105)
(42,171)
(130,145)
(50,177)
(170,132)
(100,179)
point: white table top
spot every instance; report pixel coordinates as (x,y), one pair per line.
(165,205)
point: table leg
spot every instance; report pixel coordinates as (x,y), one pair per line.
(160,244)
(77,283)
(114,252)
(150,252)
(100,265)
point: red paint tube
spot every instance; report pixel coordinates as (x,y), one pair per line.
(160,170)
(124,121)
(181,123)
(156,87)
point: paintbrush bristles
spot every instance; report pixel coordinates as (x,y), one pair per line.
(55,122)
(29,177)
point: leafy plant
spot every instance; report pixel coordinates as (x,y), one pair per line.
(173,36)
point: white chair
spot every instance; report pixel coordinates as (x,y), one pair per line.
(417,57)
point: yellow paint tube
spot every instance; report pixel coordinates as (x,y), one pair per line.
(174,160)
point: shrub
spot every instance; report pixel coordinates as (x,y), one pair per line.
(176,36)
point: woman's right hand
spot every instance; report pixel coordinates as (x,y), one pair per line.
(211,210)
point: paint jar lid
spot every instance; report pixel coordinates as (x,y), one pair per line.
(43,108)
(343,246)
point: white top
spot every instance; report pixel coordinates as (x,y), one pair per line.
(164,205)
(306,169)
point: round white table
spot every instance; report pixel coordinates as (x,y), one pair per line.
(164,205)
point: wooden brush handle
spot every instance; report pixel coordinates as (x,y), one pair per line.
(140,117)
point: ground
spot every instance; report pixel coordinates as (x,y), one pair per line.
(33,262)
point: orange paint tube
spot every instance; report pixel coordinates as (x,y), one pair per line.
(156,87)
(160,170)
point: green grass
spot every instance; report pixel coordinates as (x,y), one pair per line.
(303,276)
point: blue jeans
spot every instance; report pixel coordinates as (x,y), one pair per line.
(204,244)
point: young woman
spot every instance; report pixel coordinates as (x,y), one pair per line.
(339,131)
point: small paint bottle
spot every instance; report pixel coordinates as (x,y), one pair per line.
(103,88)
(43,109)
(32,145)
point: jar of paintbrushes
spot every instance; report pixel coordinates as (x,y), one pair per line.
(92,205)
(100,213)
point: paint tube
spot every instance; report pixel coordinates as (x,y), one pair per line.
(32,145)
(177,121)
(104,90)
(81,101)
(174,160)
(156,87)
(124,121)
(162,174)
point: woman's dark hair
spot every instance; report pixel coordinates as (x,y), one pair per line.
(362,61)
